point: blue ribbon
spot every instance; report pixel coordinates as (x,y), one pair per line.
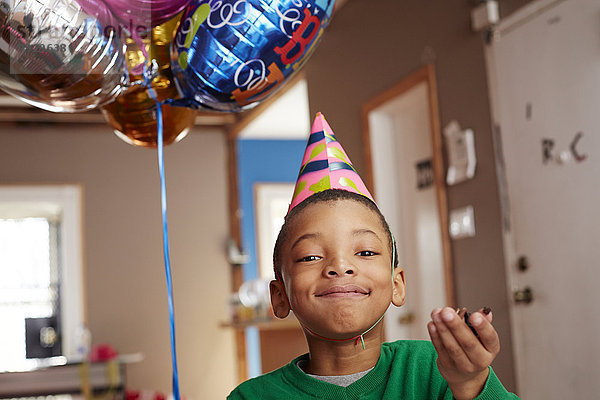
(163,202)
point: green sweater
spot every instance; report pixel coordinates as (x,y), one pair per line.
(406,370)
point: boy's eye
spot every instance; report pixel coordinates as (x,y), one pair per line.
(308,259)
(366,253)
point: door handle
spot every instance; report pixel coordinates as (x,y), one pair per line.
(524,295)
(407,319)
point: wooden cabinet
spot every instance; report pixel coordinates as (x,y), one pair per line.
(280,341)
(280,346)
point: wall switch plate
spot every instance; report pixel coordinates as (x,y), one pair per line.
(462,223)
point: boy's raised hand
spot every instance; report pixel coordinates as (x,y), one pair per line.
(463,358)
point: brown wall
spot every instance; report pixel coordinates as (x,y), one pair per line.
(124,272)
(372,45)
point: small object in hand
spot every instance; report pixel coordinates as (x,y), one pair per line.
(463,313)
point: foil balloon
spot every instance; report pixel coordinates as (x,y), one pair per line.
(57,57)
(142,15)
(103,14)
(135,18)
(229,55)
(133,113)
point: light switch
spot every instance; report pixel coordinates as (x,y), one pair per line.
(462,223)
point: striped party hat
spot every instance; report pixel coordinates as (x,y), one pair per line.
(325,166)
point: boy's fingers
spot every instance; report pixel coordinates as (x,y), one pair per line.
(487,334)
(448,323)
(457,345)
(443,356)
(477,355)
(489,316)
(475,350)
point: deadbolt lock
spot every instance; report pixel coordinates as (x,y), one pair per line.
(524,295)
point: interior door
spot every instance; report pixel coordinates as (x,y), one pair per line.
(544,68)
(403,136)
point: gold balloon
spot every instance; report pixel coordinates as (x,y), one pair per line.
(133,113)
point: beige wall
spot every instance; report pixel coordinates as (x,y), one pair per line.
(370,46)
(125,280)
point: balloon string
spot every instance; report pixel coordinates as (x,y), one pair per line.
(163,201)
(137,69)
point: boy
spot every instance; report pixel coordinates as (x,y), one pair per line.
(336,268)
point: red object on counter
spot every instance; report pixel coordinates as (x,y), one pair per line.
(103,352)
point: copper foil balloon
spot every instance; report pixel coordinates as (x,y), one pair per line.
(56,56)
(133,113)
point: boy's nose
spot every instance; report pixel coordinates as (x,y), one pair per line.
(340,270)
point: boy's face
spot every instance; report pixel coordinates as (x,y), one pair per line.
(337,270)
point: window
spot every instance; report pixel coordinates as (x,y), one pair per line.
(40,273)
(272,201)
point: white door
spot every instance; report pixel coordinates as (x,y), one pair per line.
(544,68)
(402,152)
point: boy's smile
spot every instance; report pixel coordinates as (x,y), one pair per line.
(337,269)
(343,291)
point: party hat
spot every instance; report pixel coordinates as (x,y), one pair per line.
(325,166)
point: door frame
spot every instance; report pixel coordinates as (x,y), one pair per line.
(235,231)
(426,75)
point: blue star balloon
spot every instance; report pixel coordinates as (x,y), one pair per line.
(229,55)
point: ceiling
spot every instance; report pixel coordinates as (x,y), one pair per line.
(15,110)
(286,118)
(284,115)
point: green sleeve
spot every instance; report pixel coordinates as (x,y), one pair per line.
(235,395)
(494,390)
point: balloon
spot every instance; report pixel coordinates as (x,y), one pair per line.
(229,55)
(133,113)
(142,15)
(56,56)
(135,18)
(102,13)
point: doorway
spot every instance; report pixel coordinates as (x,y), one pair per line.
(405,168)
(265,151)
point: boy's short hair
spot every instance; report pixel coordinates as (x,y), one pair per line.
(329,196)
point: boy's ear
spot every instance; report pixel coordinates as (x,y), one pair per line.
(279,302)
(399,293)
